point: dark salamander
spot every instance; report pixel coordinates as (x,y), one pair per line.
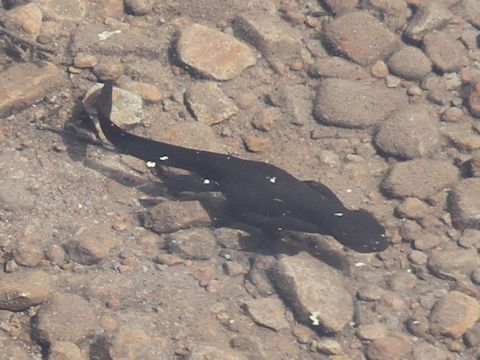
(282,201)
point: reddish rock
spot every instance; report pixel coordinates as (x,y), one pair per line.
(473,100)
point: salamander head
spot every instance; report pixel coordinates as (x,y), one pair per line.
(359,231)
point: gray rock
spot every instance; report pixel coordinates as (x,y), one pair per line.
(22,85)
(14,196)
(294,101)
(272,36)
(453,264)
(139,7)
(198,243)
(339,7)
(393,13)
(336,67)
(213,54)
(360,37)
(268,312)
(464,204)
(444,51)
(202,352)
(409,63)
(136,344)
(430,15)
(471,11)
(208,103)
(316,300)
(66,317)
(409,133)
(454,314)
(170,216)
(419,178)
(23,289)
(90,246)
(367,104)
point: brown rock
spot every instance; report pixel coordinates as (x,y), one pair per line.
(454,314)
(389,348)
(337,67)
(464,205)
(84,60)
(170,216)
(66,317)
(453,264)
(24,84)
(316,301)
(89,247)
(25,20)
(213,54)
(201,352)
(208,103)
(198,243)
(412,208)
(268,312)
(409,63)
(135,344)
(473,100)
(65,350)
(339,7)
(139,7)
(63,10)
(372,331)
(23,289)
(360,37)
(108,69)
(148,92)
(256,143)
(430,15)
(266,118)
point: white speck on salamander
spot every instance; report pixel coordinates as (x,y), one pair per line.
(272,179)
(314,318)
(163,158)
(339,214)
(106,34)
(151,164)
(206,181)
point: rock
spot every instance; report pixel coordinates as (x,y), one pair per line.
(65,350)
(88,248)
(339,7)
(139,7)
(14,195)
(453,264)
(29,252)
(316,301)
(108,69)
(409,63)
(470,239)
(372,331)
(198,243)
(234,238)
(127,107)
(170,216)
(430,15)
(294,101)
(213,54)
(23,289)
(379,69)
(22,85)
(427,240)
(266,118)
(453,115)
(393,13)
(471,11)
(368,105)
(148,92)
(66,317)
(360,37)
(25,20)
(412,208)
(268,312)
(14,350)
(454,314)
(328,346)
(84,60)
(256,143)
(202,352)
(444,51)
(272,36)
(337,67)
(428,352)
(135,344)
(63,10)
(464,205)
(393,347)
(208,103)
(419,178)
(473,100)
(409,133)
